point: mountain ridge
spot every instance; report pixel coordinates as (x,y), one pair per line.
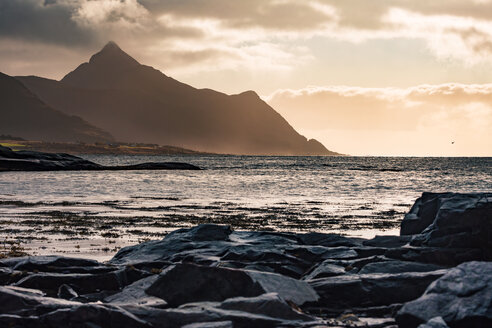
(135,102)
(23,114)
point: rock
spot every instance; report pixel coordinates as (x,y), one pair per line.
(81,283)
(217,324)
(422,213)
(462,297)
(31,263)
(22,301)
(135,294)
(369,290)
(185,283)
(398,267)
(436,255)
(92,315)
(329,240)
(387,241)
(267,310)
(269,304)
(325,270)
(452,220)
(37,161)
(437,322)
(176,243)
(66,292)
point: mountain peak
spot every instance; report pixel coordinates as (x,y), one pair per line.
(111,54)
(102,68)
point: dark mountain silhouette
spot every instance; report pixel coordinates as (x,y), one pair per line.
(138,103)
(24,115)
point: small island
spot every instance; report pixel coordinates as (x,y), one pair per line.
(38,161)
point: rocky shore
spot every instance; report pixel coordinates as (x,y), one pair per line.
(437,273)
(38,161)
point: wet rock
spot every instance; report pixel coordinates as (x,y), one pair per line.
(452,220)
(462,297)
(436,255)
(436,322)
(369,290)
(22,301)
(398,267)
(92,315)
(135,294)
(81,283)
(31,263)
(329,240)
(194,240)
(219,324)
(66,292)
(324,270)
(185,283)
(267,310)
(387,241)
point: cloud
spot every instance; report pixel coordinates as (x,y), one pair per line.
(239,34)
(427,113)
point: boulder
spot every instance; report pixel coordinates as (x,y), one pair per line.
(452,220)
(462,297)
(185,283)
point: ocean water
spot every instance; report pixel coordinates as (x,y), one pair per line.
(360,196)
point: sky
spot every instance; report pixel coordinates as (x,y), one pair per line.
(364,77)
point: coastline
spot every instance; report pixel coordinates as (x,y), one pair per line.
(438,270)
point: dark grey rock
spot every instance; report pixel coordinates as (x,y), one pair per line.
(182,242)
(398,267)
(329,240)
(369,290)
(325,269)
(185,283)
(267,310)
(81,283)
(135,294)
(21,301)
(462,297)
(92,315)
(437,322)
(66,292)
(387,241)
(452,220)
(217,324)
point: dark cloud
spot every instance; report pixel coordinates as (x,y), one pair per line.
(268,14)
(45,21)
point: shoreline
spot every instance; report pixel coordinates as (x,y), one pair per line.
(437,271)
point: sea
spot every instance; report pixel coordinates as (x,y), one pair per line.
(356,196)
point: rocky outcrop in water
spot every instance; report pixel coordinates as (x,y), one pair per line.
(211,276)
(37,161)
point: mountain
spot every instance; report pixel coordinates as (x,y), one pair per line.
(137,103)
(24,115)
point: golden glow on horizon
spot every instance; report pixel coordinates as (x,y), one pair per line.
(280,48)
